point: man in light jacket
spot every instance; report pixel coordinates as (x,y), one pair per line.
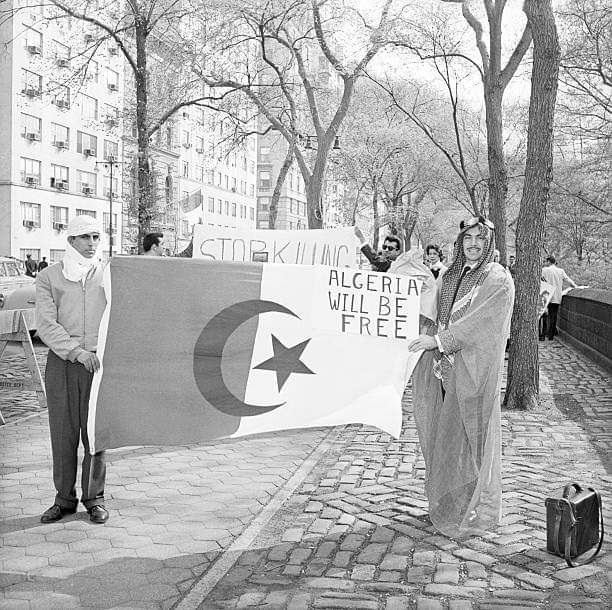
(70,301)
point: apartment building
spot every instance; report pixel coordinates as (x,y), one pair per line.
(59,120)
(69,149)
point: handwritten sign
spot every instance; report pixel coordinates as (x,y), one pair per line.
(358,302)
(335,247)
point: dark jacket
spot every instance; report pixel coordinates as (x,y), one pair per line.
(378,261)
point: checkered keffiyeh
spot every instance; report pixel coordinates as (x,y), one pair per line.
(458,287)
(473,278)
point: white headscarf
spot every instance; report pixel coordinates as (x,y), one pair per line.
(75,266)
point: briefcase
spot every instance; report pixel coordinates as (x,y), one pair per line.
(574,523)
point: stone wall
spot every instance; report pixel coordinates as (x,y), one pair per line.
(585,321)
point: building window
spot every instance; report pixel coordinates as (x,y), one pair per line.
(264,154)
(89,107)
(60,135)
(92,71)
(185,169)
(86,183)
(233,185)
(252,190)
(211,205)
(59,215)
(264,204)
(111,150)
(226,182)
(61,95)
(30,171)
(111,113)
(106,186)
(252,167)
(33,252)
(106,222)
(199,144)
(169,136)
(30,214)
(61,54)
(210,176)
(81,212)
(234,209)
(31,127)
(185,135)
(227,208)
(185,227)
(59,177)
(55,256)
(31,83)
(264,180)
(219,204)
(33,41)
(252,213)
(199,173)
(87,144)
(219,179)
(112,80)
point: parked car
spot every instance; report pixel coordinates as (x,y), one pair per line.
(17,289)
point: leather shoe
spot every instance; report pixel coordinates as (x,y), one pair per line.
(98,514)
(55,513)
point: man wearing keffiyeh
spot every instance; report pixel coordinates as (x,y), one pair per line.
(457,400)
(70,301)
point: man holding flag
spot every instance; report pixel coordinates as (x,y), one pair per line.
(70,301)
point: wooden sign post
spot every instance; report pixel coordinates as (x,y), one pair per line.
(14,326)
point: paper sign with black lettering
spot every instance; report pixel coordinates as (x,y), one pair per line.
(335,247)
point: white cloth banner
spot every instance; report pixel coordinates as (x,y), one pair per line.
(334,247)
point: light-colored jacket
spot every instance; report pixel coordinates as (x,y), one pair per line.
(68,313)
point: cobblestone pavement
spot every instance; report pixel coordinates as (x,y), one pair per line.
(187,531)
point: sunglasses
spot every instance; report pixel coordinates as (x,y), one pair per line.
(472,222)
(389,247)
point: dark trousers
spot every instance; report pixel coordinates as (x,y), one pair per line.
(551,326)
(68,385)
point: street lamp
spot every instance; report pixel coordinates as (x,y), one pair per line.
(311,142)
(109,163)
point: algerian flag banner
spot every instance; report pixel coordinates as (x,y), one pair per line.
(193,350)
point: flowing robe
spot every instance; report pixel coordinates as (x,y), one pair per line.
(460,429)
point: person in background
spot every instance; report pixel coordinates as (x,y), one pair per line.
(434,260)
(43,264)
(70,301)
(153,244)
(31,266)
(391,249)
(556,276)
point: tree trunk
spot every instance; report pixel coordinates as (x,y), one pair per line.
(144,198)
(376,215)
(523,372)
(282,174)
(498,175)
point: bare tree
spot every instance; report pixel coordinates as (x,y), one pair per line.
(495,77)
(523,365)
(287,88)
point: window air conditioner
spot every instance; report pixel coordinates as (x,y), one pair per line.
(89,152)
(113,87)
(60,144)
(62,62)
(31,91)
(29,224)
(200,151)
(34,49)
(87,190)
(59,226)
(61,186)
(33,137)
(31,180)
(112,50)
(186,144)
(62,103)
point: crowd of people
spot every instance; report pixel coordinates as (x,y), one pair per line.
(465,314)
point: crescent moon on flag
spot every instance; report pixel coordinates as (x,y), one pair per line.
(208,353)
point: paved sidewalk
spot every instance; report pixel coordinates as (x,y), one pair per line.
(325,518)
